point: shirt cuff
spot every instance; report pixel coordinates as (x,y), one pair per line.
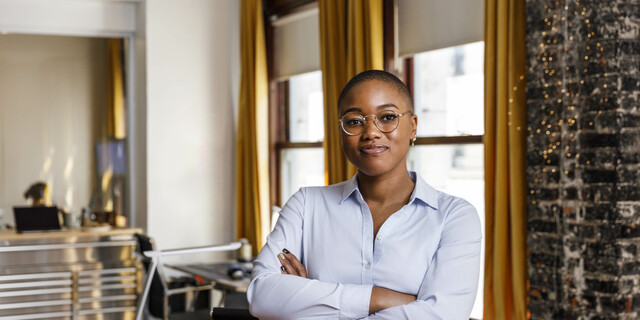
(355,301)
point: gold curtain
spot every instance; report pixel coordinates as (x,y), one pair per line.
(252,162)
(116,118)
(351,41)
(505,145)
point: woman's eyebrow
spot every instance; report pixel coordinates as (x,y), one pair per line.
(382,106)
(352,109)
(387,105)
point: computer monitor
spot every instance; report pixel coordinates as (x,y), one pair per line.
(35,219)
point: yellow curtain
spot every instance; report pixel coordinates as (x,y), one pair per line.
(351,41)
(505,145)
(252,162)
(115,121)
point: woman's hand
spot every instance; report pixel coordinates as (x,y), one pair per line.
(291,265)
(383,298)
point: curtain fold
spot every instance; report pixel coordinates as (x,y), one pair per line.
(505,277)
(351,41)
(116,118)
(252,163)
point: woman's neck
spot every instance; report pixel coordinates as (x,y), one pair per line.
(389,188)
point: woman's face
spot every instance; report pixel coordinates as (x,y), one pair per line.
(374,152)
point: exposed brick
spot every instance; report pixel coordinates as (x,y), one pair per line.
(598,193)
(627,173)
(605,286)
(548,260)
(631,267)
(542,226)
(598,140)
(597,176)
(628,193)
(599,212)
(583,158)
(604,266)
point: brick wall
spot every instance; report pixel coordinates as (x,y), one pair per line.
(583,154)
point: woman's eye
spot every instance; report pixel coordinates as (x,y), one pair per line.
(354,122)
(388,117)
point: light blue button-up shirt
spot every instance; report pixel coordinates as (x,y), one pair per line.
(430,248)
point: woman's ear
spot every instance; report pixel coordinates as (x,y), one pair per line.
(414,125)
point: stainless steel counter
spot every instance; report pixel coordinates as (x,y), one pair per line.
(69,275)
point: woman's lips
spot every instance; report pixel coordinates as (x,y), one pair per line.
(373,149)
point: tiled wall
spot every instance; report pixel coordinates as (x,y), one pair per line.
(583,154)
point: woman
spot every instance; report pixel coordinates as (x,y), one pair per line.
(382,245)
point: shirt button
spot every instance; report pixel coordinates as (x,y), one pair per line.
(379,238)
(368,266)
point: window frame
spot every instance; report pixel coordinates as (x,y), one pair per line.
(279,139)
(408,79)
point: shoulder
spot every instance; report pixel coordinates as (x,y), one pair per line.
(444,203)
(323,192)
(311,196)
(460,216)
(453,204)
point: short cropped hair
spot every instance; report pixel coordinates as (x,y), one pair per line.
(378,75)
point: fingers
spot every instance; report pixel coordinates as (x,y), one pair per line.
(300,269)
(291,265)
(286,267)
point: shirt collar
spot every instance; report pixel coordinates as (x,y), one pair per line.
(349,187)
(422,191)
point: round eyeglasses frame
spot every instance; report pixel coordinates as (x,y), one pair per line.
(375,121)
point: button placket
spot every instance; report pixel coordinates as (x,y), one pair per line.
(367,245)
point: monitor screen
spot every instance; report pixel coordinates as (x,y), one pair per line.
(36,218)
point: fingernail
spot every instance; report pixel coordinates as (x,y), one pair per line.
(285,250)
(281,255)
(283,268)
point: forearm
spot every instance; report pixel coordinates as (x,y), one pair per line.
(274,296)
(383,298)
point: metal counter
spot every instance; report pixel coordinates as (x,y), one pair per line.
(69,275)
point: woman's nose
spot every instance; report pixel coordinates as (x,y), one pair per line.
(370,129)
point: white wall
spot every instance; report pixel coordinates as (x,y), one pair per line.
(192,71)
(69,17)
(53,102)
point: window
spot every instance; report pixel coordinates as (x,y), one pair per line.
(300,148)
(296,99)
(447,87)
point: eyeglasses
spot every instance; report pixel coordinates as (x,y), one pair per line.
(386,121)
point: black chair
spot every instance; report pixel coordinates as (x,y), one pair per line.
(173,298)
(231,314)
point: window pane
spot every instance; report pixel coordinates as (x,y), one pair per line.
(448,91)
(457,170)
(300,167)
(305,108)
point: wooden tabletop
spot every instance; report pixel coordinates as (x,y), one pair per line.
(13,235)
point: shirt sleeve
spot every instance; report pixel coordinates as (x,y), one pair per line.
(273,295)
(448,290)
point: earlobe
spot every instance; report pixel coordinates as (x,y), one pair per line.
(414,125)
